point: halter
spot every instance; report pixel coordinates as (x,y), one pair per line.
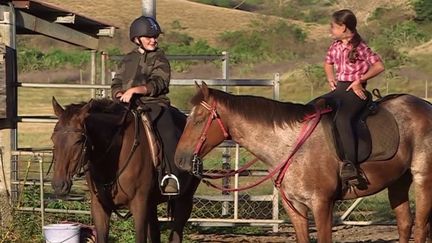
(197,164)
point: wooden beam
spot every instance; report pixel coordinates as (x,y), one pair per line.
(56,31)
(107,32)
(68,19)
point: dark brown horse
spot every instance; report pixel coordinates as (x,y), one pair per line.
(100,139)
(269,129)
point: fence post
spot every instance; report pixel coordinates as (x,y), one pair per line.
(226,157)
(93,72)
(103,72)
(275,206)
(41,178)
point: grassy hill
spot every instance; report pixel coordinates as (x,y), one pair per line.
(207,22)
(199,21)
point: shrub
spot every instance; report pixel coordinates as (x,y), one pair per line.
(267,42)
(32,59)
(423,10)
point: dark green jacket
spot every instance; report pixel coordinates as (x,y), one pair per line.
(151,69)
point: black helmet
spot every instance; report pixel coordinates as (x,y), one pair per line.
(144,26)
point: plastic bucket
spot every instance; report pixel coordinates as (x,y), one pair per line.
(62,233)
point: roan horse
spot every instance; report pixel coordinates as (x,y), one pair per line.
(97,138)
(268,129)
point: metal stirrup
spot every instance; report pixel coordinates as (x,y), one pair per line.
(170,176)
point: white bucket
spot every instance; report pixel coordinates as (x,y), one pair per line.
(62,233)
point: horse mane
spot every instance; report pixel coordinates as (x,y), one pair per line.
(259,109)
(104,105)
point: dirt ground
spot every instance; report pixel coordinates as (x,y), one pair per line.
(344,233)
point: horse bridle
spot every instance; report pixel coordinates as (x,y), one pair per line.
(82,166)
(197,164)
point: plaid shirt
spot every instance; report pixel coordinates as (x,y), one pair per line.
(337,55)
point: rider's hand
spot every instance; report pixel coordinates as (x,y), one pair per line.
(332,84)
(126,96)
(358,89)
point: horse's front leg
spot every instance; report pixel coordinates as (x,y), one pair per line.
(153,223)
(101,219)
(298,215)
(181,214)
(323,215)
(139,210)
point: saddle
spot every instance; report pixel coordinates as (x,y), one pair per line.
(376,131)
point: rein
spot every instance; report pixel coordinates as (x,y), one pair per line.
(107,186)
(306,130)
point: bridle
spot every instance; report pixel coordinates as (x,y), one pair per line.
(197,164)
(82,165)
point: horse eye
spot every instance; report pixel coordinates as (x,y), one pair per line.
(198,121)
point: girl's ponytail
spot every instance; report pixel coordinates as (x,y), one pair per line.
(355,41)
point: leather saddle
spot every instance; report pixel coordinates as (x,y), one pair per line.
(376,130)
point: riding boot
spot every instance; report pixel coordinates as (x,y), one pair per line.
(349,174)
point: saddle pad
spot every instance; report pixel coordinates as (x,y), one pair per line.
(378,139)
(384,133)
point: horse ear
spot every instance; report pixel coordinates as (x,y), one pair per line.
(58,109)
(197,86)
(86,108)
(205,90)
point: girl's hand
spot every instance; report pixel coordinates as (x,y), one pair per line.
(358,89)
(332,84)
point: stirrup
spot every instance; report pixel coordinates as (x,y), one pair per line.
(165,178)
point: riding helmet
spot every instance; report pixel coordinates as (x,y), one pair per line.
(144,26)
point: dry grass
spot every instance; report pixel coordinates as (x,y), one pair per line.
(203,21)
(198,20)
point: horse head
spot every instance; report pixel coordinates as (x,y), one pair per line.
(69,144)
(204,130)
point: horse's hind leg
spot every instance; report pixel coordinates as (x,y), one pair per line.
(423,198)
(398,194)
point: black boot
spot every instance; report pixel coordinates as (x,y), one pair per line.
(349,174)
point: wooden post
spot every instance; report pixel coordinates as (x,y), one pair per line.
(8,74)
(93,72)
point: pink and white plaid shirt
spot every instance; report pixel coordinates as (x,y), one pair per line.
(337,55)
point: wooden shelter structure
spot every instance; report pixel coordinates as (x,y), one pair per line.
(39,18)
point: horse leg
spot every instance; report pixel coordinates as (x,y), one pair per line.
(323,215)
(101,219)
(299,220)
(153,225)
(138,208)
(423,199)
(181,213)
(398,194)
